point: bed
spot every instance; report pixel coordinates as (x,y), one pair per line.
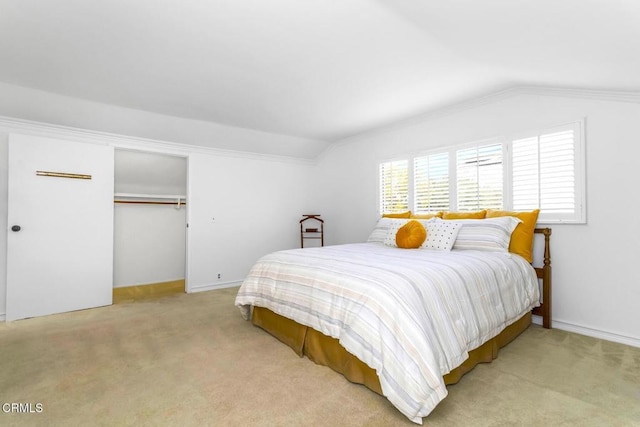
(404,323)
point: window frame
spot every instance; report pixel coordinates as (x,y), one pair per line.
(414,195)
(579,215)
(580,166)
(409,161)
(453,162)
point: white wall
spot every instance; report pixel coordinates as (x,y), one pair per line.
(256,201)
(241,209)
(595,276)
(149,244)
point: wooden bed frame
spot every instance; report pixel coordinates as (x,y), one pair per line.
(327,351)
(544,274)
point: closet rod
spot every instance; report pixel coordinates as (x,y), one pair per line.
(150,203)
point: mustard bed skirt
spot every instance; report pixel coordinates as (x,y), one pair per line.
(327,351)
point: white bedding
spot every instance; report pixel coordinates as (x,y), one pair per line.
(410,314)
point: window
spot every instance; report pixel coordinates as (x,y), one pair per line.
(394,186)
(547,173)
(431,183)
(536,170)
(479,177)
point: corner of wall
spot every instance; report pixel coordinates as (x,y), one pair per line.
(4,182)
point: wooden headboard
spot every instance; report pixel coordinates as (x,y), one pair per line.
(544,273)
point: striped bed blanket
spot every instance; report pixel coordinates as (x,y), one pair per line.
(410,314)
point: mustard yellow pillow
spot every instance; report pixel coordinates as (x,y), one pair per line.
(411,235)
(522,237)
(465,215)
(406,214)
(426,216)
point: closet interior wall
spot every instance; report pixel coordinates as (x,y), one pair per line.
(149,218)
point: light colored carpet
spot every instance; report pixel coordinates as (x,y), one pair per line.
(190,360)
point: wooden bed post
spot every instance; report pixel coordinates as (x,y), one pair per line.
(544,273)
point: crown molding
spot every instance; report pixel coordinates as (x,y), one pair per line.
(10,124)
(489,98)
(182,149)
(595,94)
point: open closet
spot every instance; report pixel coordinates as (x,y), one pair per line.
(149,224)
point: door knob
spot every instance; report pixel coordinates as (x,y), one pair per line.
(15,228)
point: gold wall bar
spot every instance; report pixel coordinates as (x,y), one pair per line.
(63,175)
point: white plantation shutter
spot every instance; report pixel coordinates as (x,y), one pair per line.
(479,172)
(538,170)
(431,183)
(525,163)
(394,186)
(557,173)
(546,174)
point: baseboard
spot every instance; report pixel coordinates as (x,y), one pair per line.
(163,283)
(3,317)
(212,286)
(590,332)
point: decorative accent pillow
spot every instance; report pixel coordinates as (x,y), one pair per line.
(411,235)
(522,237)
(406,214)
(441,235)
(464,215)
(426,216)
(394,225)
(491,234)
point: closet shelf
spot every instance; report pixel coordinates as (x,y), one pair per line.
(149,196)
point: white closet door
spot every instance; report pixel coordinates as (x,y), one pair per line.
(60,237)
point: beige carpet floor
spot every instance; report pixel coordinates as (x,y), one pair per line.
(190,360)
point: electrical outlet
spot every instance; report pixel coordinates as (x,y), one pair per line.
(219,275)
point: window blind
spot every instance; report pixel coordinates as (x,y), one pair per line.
(394,186)
(431,183)
(479,171)
(545,174)
(536,170)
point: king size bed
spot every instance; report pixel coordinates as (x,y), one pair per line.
(405,323)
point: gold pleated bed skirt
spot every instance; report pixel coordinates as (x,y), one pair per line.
(327,351)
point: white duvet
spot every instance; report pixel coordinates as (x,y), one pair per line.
(410,314)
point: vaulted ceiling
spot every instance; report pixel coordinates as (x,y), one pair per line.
(316,69)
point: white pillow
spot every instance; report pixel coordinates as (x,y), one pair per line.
(441,235)
(379,233)
(394,225)
(489,234)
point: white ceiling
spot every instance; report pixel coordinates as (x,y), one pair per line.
(315,69)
